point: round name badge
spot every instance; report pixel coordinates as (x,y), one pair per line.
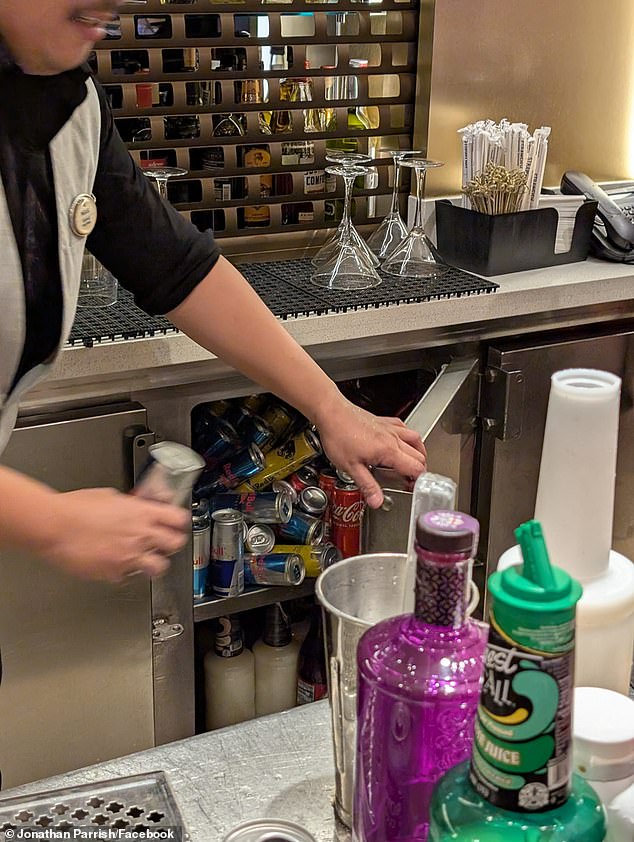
(83,214)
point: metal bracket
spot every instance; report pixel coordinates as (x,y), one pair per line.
(162,630)
(503,403)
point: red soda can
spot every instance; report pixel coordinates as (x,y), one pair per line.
(346,512)
(327,482)
(303,478)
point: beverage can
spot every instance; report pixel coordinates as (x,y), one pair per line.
(313,500)
(219,440)
(302,529)
(227,553)
(282,485)
(259,507)
(246,463)
(273,569)
(304,478)
(201,546)
(327,481)
(259,539)
(256,431)
(317,557)
(279,420)
(346,513)
(284,460)
(269,830)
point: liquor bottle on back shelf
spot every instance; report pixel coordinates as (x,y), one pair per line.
(312,683)
(419,680)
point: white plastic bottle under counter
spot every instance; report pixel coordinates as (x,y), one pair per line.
(575,505)
(229,678)
(276,659)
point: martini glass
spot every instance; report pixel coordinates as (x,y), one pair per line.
(351,266)
(161,175)
(328,252)
(414,257)
(393,230)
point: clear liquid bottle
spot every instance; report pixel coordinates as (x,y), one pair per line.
(276,657)
(229,677)
(518,786)
(419,683)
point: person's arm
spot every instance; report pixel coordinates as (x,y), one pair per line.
(96,533)
(225,315)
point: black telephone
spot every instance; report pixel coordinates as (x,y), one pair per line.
(613,232)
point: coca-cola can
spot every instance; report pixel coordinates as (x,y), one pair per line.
(346,512)
(327,482)
(304,478)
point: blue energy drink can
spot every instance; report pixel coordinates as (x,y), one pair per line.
(201,546)
(227,553)
(274,569)
(302,528)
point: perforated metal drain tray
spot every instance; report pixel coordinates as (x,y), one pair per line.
(285,287)
(135,803)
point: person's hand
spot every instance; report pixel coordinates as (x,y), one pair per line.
(101,534)
(354,439)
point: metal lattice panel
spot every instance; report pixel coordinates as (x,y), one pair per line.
(285,288)
(130,804)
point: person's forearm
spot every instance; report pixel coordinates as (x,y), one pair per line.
(26,513)
(226,316)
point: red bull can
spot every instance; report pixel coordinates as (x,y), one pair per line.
(313,501)
(201,546)
(302,529)
(227,553)
(283,461)
(259,538)
(245,464)
(279,419)
(274,569)
(317,557)
(260,507)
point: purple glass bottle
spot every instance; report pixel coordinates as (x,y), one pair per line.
(418,690)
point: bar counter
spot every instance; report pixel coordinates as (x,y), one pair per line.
(277,766)
(590,292)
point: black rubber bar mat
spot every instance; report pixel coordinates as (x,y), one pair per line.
(285,288)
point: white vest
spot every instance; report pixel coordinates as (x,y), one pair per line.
(74,154)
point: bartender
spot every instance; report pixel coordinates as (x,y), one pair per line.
(68,182)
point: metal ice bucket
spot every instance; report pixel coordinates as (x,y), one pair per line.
(355,594)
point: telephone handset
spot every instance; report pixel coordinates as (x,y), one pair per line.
(613,232)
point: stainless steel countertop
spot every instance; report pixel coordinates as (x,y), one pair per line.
(577,293)
(277,766)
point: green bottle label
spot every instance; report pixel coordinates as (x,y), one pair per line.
(521,752)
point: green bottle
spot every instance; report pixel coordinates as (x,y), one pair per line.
(518,786)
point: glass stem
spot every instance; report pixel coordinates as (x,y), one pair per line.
(161,186)
(420,195)
(348,182)
(394,208)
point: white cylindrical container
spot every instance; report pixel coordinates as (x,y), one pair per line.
(575,493)
(229,678)
(603,740)
(276,660)
(575,505)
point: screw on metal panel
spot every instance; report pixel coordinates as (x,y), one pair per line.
(388,503)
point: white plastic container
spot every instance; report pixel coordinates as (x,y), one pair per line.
(621,817)
(575,505)
(229,678)
(603,740)
(276,661)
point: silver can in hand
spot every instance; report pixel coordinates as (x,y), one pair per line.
(170,473)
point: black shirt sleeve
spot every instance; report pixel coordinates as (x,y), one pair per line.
(148,246)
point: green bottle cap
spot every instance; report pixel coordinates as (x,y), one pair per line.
(534,603)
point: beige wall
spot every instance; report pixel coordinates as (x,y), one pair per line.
(568,64)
